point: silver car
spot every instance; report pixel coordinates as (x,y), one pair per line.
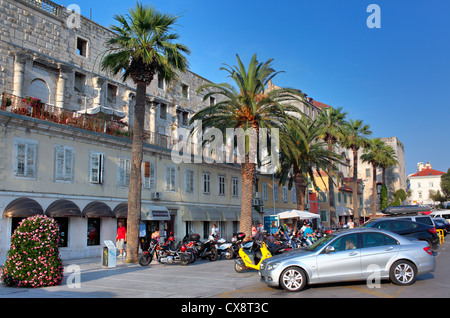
(350,255)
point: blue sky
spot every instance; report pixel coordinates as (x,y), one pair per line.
(395,78)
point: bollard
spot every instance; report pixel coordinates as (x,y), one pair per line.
(441,236)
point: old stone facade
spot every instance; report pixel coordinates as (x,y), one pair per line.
(58,161)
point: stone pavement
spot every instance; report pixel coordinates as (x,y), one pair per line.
(87,278)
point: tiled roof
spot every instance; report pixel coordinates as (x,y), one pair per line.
(427,172)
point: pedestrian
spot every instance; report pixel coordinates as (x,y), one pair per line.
(254,231)
(121,239)
(215,231)
(351,224)
(309,233)
(156,235)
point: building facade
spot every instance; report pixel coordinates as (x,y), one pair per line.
(65,145)
(421,183)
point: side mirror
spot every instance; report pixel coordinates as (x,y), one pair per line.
(329,249)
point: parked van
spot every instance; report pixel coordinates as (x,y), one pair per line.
(441,214)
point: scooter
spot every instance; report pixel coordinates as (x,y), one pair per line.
(251,259)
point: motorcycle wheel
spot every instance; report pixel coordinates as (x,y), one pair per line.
(184,261)
(239,268)
(213,255)
(145,259)
(229,253)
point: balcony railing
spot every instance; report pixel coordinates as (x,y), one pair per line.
(46,5)
(32,107)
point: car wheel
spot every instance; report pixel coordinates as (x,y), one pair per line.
(403,273)
(293,279)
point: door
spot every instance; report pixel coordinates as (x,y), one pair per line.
(376,252)
(344,263)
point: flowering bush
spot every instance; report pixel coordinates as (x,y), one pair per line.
(33,260)
(32,101)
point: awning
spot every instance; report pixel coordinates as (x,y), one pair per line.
(232,214)
(194,213)
(63,208)
(103,109)
(298,214)
(214,214)
(121,210)
(22,207)
(154,213)
(344,211)
(97,209)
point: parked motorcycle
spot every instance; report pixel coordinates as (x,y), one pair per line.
(208,249)
(229,250)
(251,259)
(166,253)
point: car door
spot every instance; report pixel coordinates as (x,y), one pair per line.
(377,250)
(344,263)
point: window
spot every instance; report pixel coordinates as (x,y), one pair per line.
(285,194)
(234,187)
(212,101)
(163,111)
(275,192)
(206,183)
(189,181)
(346,242)
(171,178)
(185,91)
(161,83)
(80,82)
(96,167)
(25,154)
(148,180)
(293,195)
(123,175)
(265,191)
(183,118)
(339,197)
(112,94)
(367,173)
(376,239)
(64,163)
(323,215)
(221,185)
(63,225)
(93,231)
(82,47)
(418,185)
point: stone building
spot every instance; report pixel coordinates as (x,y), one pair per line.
(395,175)
(65,142)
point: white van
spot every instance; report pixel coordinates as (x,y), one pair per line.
(441,214)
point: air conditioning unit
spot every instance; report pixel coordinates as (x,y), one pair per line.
(257,195)
(156,196)
(256,202)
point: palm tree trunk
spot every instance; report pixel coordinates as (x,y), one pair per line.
(300,188)
(248,175)
(333,214)
(134,192)
(355,188)
(374,191)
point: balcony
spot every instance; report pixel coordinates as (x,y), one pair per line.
(32,107)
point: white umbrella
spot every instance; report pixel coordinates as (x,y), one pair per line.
(298,214)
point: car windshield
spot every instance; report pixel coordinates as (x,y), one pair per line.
(320,243)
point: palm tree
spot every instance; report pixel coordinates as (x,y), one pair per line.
(332,123)
(309,155)
(142,46)
(374,154)
(249,106)
(356,137)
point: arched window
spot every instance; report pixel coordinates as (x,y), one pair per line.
(39,89)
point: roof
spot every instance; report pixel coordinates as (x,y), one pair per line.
(319,104)
(427,172)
